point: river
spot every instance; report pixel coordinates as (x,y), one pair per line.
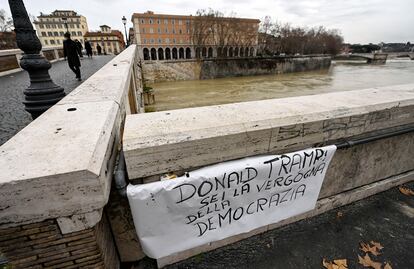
(341,76)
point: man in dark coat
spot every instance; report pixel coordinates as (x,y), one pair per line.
(99,49)
(88,49)
(71,53)
(80,47)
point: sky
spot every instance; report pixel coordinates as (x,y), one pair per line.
(360,21)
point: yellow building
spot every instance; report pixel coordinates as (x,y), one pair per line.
(51,27)
(111,41)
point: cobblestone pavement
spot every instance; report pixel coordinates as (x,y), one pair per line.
(13,117)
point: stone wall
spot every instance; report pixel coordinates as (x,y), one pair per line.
(53,189)
(42,245)
(10,59)
(158,71)
(182,140)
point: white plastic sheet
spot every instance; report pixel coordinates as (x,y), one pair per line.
(226,199)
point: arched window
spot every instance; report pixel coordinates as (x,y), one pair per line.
(219,52)
(188,53)
(210,52)
(204,52)
(168,54)
(225,52)
(146,54)
(231,52)
(241,52)
(198,53)
(251,52)
(181,53)
(174,53)
(160,54)
(153,54)
(236,52)
(246,52)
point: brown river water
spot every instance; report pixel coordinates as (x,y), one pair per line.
(341,76)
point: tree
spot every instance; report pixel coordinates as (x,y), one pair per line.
(277,38)
(6,22)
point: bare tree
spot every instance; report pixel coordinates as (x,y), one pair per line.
(6,22)
(285,38)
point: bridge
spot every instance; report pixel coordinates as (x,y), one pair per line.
(63,179)
(371,58)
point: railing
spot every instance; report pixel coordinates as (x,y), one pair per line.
(10,59)
(61,164)
(376,122)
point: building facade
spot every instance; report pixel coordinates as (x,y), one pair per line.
(51,27)
(165,37)
(111,41)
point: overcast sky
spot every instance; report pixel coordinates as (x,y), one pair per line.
(360,21)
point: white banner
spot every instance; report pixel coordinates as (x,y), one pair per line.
(226,199)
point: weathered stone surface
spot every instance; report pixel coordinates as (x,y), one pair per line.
(39,247)
(158,71)
(61,164)
(176,140)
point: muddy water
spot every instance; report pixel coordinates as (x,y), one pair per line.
(342,76)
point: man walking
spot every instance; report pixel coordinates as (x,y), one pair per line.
(71,53)
(80,47)
(88,49)
(99,49)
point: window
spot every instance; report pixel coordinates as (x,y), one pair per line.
(58,41)
(180,22)
(165,21)
(167,40)
(41,26)
(181,41)
(150,21)
(159,40)
(158,21)
(143,30)
(152,40)
(173,31)
(77,26)
(181,31)
(151,30)
(54,26)
(159,30)
(49,33)
(47,26)
(62,33)
(172,21)
(187,22)
(145,41)
(73,33)
(166,30)
(55,33)
(83,27)
(174,40)
(52,42)
(188,31)
(43,33)
(46,42)
(79,33)
(142,21)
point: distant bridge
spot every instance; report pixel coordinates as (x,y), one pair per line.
(374,58)
(401,55)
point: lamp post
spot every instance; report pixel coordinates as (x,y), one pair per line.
(124,21)
(66,24)
(42,92)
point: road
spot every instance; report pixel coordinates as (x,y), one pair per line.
(13,117)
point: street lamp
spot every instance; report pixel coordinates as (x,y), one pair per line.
(42,92)
(66,24)
(124,21)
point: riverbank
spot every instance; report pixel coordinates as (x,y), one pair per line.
(339,77)
(196,69)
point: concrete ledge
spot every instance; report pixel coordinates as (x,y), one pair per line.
(61,164)
(183,139)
